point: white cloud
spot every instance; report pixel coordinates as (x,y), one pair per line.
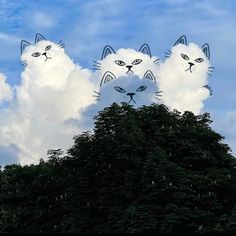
(182,78)
(6,91)
(52,90)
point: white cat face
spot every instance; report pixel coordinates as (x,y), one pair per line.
(127,61)
(43,53)
(130,89)
(189,59)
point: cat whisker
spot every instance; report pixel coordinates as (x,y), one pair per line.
(96,66)
(159,92)
(156,61)
(23,63)
(97,92)
(61,43)
(167,56)
(97,62)
(94,69)
(212,67)
(170,51)
(157,98)
(209,74)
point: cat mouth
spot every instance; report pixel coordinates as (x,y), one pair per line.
(189,69)
(47,58)
(129,71)
(131,99)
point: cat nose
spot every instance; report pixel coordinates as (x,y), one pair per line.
(191,64)
(129,67)
(44,53)
(131,94)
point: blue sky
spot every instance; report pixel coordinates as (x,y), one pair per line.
(87,26)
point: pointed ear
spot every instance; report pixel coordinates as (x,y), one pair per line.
(206,50)
(145,50)
(181,40)
(23,45)
(149,75)
(39,37)
(107,77)
(107,50)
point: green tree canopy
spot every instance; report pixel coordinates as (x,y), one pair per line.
(145,170)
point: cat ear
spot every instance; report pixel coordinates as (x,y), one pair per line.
(106,51)
(206,50)
(145,50)
(39,37)
(23,45)
(107,77)
(181,40)
(149,75)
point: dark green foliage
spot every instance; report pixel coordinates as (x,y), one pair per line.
(143,170)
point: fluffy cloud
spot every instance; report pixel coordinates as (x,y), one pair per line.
(56,97)
(6,91)
(52,90)
(183,76)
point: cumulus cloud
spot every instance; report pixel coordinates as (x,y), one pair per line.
(58,99)
(6,91)
(130,88)
(127,60)
(52,90)
(183,76)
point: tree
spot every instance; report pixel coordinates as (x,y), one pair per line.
(145,170)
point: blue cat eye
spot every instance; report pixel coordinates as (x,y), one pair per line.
(137,61)
(119,89)
(48,47)
(141,88)
(120,63)
(36,54)
(199,60)
(185,56)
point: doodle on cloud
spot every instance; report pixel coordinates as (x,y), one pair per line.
(183,76)
(126,60)
(131,89)
(58,99)
(52,89)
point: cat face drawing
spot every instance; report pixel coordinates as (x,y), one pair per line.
(126,61)
(42,53)
(45,63)
(190,59)
(184,75)
(129,89)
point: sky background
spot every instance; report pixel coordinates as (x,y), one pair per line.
(87,26)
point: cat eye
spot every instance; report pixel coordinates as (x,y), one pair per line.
(185,56)
(48,47)
(120,63)
(137,61)
(36,54)
(119,89)
(141,88)
(199,60)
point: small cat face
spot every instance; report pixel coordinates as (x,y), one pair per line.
(190,58)
(130,89)
(42,53)
(126,61)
